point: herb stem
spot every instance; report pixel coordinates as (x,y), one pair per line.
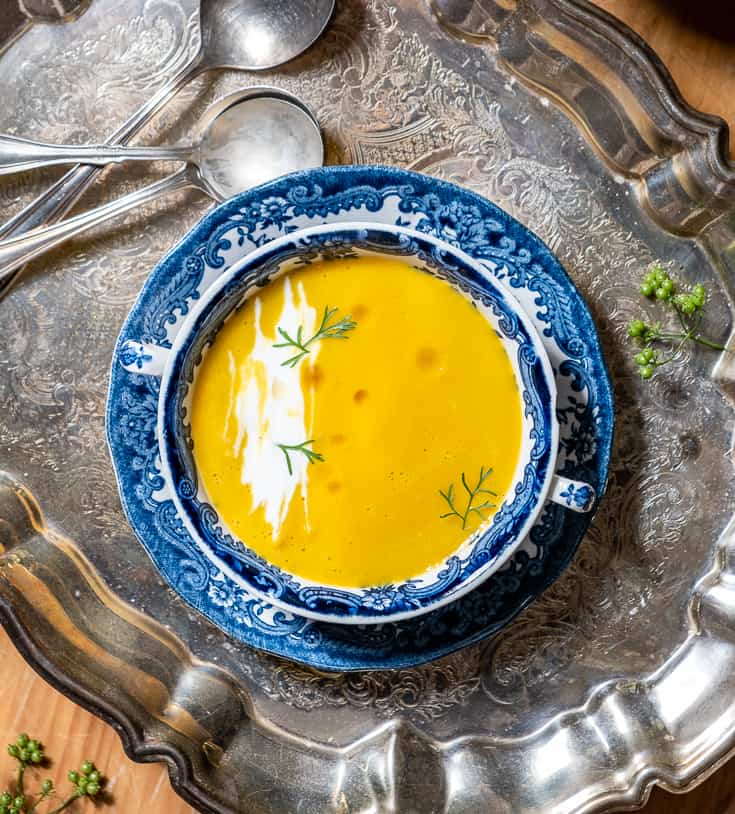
(681,319)
(19,782)
(67,803)
(303,448)
(41,797)
(708,343)
(690,335)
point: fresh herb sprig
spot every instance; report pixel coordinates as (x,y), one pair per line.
(303,448)
(337,330)
(688,306)
(87,782)
(472,493)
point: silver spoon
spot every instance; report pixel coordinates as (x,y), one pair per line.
(19,155)
(245,139)
(238,34)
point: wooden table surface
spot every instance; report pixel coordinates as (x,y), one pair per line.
(700,53)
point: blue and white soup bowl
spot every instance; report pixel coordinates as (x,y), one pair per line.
(482,553)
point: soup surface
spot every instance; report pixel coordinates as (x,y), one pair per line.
(336,411)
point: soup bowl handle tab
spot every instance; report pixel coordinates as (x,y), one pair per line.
(143,358)
(575,495)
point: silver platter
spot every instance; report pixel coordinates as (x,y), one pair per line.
(621,675)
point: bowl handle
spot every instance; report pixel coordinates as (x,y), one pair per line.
(140,357)
(574,494)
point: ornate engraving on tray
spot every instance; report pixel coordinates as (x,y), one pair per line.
(419,694)
(85,104)
(60,99)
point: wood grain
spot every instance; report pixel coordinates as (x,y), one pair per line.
(693,40)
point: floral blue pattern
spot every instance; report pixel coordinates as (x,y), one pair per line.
(580,496)
(133,354)
(382,598)
(385,195)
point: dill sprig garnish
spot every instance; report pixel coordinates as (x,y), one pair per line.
(303,448)
(336,330)
(449,496)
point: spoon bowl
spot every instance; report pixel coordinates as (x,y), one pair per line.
(253,137)
(259,34)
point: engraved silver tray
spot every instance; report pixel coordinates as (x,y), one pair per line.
(621,675)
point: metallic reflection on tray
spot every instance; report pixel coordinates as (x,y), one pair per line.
(616,677)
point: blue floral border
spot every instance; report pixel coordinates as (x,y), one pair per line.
(585,409)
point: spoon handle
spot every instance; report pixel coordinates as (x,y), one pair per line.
(18,155)
(18,250)
(53,204)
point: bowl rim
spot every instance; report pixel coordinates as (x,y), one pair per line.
(187,333)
